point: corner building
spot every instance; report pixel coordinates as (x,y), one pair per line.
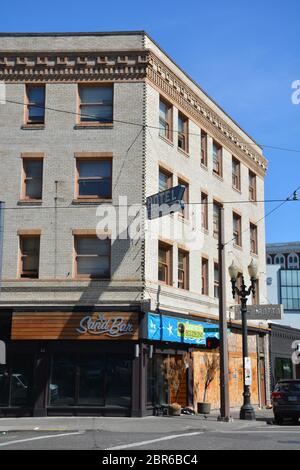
(91,118)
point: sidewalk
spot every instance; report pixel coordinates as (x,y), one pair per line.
(148,424)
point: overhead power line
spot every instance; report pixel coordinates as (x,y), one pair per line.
(75,113)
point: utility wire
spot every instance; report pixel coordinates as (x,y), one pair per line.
(284,149)
(292,197)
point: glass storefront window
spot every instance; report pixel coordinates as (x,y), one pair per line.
(16,381)
(157,388)
(283,368)
(62,386)
(118,382)
(91,381)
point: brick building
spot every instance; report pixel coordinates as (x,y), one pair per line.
(103,120)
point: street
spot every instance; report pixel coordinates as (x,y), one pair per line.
(151,433)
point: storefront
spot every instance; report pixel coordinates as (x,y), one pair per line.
(69,363)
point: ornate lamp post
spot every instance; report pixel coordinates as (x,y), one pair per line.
(247,411)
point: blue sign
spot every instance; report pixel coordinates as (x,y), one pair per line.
(166,202)
(179,330)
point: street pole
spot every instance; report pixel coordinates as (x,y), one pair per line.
(247,411)
(2,343)
(224,382)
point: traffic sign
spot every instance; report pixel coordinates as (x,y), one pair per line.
(165,202)
(260,312)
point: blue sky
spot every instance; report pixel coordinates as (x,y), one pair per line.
(244,54)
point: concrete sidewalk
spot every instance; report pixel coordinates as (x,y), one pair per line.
(147,424)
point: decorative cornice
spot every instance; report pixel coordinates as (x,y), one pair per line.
(77,66)
(159,74)
(130,65)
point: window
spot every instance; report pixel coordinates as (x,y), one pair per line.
(236,174)
(290,288)
(183,269)
(269,259)
(35,109)
(253,238)
(165,119)
(204,211)
(94,178)
(217,159)
(30,254)
(32,179)
(203,148)
(237,232)
(216,280)
(164,263)
(293,261)
(92,257)
(96,104)
(204,276)
(183,142)
(185,210)
(165,180)
(216,218)
(252,186)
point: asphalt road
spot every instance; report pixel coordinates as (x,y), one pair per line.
(216,436)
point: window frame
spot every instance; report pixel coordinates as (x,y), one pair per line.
(23,274)
(168,265)
(80,104)
(236,176)
(204,211)
(183,136)
(27,120)
(169,176)
(184,270)
(219,205)
(81,158)
(236,217)
(216,281)
(184,213)
(28,157)
(204,278)
(253,241)
(169,122)
(219,161)
(252,188)
(76,275)
(204,140)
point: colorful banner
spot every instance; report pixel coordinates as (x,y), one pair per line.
(179,330)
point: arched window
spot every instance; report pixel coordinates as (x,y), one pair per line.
(280,259)
(293,261)
(269,259)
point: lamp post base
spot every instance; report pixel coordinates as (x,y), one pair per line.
(247,413)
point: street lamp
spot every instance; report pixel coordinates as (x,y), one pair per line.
(247,411)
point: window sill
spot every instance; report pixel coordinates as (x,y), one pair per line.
(91,201)
(90,279)
(165,139)
(205,167)
(237,190)
(238,247)
(254,254)
(94,125)
(184,152)
(205,231)
(29,202)
(219,177)
(36,127)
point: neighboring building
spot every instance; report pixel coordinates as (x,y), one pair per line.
(283,280)
(281,350)
(90,118)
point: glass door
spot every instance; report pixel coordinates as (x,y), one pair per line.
(91,380)
(16,381)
